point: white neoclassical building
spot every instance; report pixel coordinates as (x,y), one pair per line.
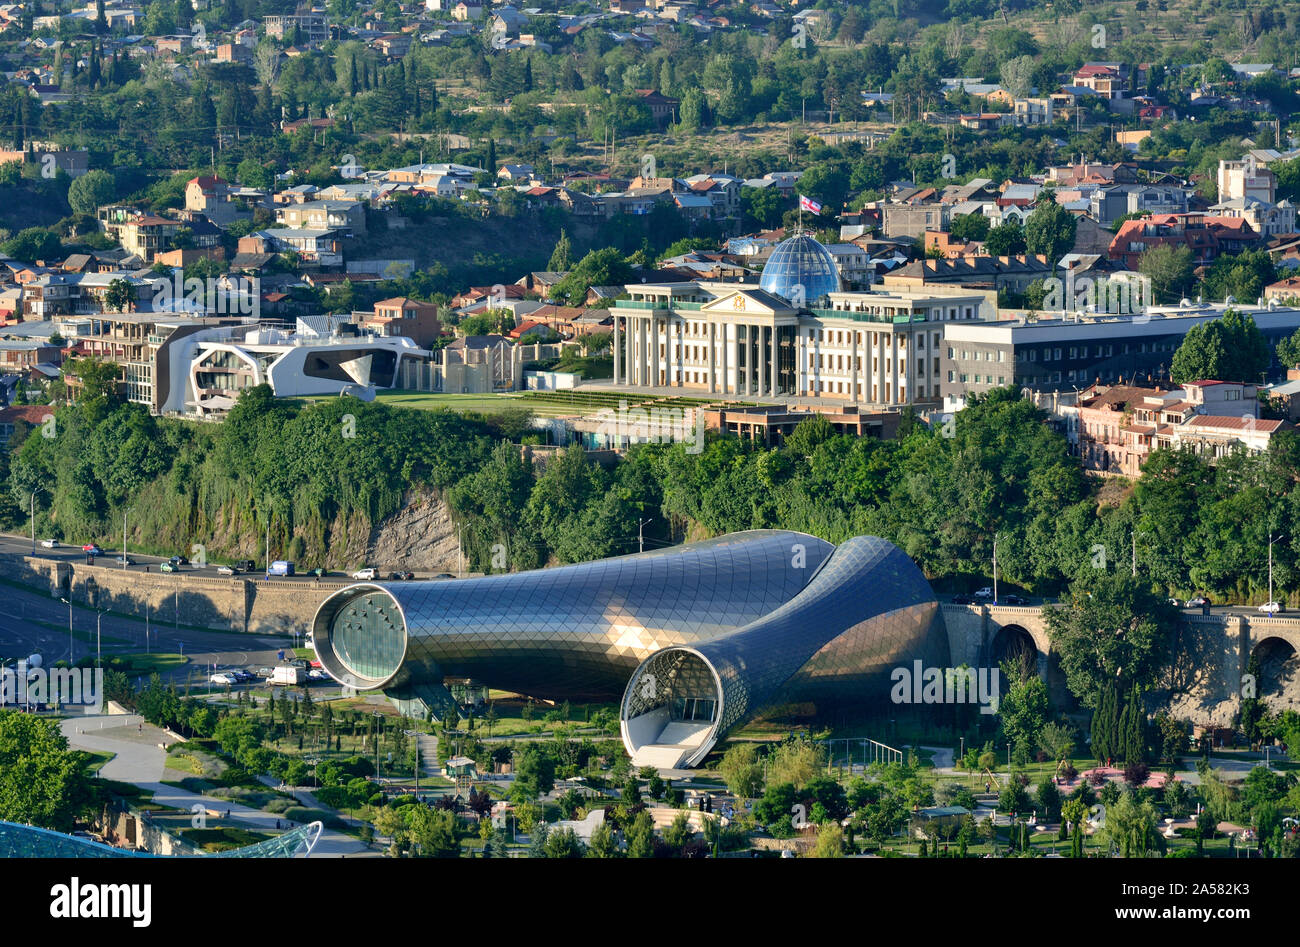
(739,340)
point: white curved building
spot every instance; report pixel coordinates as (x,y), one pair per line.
(320,357)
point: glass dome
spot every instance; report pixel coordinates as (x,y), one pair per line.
(800,271)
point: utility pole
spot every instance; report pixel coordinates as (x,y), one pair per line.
(640,532)
(33,522)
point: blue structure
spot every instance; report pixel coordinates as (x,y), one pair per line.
(28,841)
(801,271)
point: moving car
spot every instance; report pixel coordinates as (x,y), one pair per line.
(93,549)
(226,570)
(367,573)
(169,567)
(318,572)
(49,543)
(244,565)
(1175,603)
(124,559)
(1197,602)
(179,561)
(1272,608)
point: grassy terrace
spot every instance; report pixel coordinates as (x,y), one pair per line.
(548,404)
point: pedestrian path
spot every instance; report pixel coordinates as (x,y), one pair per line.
(141,760)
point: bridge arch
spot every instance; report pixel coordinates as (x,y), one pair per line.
(1279,669)
(1014,643)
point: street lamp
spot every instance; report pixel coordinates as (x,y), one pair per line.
(1271,540)
(33,522)
(69,604)
(1135,535)
(99,621)
(124,515)
(995,568)
(415,738)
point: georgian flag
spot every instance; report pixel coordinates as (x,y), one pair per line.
(810,205)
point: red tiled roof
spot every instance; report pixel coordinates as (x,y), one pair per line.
(1233,423)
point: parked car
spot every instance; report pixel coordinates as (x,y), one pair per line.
(265,672)
(222,677)
(226,570)
(367,573)
(169,567)
(93,549)
(1014,600)
(986,592)
(316,674)
(1272,608)
(402,575)
(1197,602)
(962,600)
(242,675)
(49,544)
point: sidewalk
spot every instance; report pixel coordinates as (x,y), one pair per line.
(141,761)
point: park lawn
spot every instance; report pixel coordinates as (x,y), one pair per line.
(155,662)
(223,838)
(98,759)
(183,763)
(433,401)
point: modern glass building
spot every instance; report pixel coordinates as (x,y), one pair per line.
(695,639)
(28,841)
(801,271)
(866,611)
(569,633)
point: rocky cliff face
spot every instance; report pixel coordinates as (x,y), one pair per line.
(420,537)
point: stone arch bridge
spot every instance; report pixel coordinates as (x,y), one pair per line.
(1208,673)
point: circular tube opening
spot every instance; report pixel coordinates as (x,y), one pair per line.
(671,709)
(360,635)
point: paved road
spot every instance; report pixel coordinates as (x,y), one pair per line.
(140,760)
(33,622)
(20,545)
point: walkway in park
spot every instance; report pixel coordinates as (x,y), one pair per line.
(140,759)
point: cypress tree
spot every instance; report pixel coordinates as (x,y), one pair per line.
(1121,742)
(1136,744)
